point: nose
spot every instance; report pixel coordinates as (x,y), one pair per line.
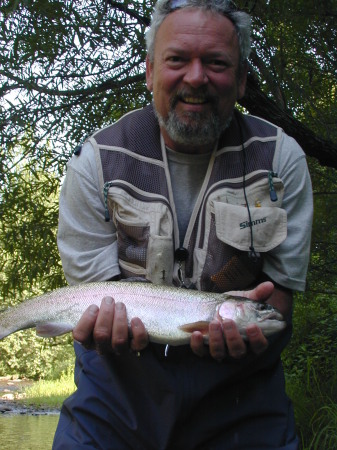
(195,75)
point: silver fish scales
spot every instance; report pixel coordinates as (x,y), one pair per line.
(169,314)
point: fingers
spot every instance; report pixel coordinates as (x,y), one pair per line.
(120,331)
(216,341)
(197,344)
(257,341)
(236,346)
(225,340)
(106,329)
(103,327)
(260,293)
(140,338)
(83,330)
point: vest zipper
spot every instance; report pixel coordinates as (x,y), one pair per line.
(272,192)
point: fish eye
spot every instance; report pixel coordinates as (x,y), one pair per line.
(265,307)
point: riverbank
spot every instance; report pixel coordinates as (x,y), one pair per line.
(12,398)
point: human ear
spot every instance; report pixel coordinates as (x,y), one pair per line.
(149,74)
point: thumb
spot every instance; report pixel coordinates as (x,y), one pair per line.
(260,293)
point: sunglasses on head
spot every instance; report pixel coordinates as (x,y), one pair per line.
(176,4)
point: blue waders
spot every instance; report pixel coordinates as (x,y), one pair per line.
(153,402)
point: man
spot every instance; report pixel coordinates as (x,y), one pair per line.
(195,195)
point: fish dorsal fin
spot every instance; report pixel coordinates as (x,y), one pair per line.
(50,329)
(201,326)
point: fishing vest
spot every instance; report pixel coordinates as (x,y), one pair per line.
(239,206)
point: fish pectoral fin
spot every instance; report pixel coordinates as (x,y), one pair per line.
(201,326)
(50,329)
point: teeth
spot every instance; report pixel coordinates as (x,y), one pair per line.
(194,100)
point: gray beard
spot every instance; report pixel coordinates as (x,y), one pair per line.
(198,130)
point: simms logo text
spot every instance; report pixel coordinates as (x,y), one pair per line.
(246,224)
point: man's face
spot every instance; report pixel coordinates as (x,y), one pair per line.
(194,78)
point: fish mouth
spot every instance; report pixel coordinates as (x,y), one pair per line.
(273,315)
(267,312)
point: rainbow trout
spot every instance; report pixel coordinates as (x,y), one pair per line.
(169,314)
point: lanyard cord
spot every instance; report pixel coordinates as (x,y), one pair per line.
(253,254)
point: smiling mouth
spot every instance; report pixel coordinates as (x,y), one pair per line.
(194,100)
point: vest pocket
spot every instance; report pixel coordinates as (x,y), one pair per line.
(144,237)
(133,241)
(160,259)
(220,264)
(222,261)
(267,226)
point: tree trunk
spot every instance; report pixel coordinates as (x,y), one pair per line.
(257,103)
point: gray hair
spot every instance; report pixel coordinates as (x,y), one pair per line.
(240,20)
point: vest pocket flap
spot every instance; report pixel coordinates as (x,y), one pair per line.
(269,226)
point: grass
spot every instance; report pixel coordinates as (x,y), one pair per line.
(49,393)
(315,408)
(325,424)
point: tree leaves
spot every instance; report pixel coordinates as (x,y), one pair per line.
(294,62)
(29,214)
(74,66)
(63,63)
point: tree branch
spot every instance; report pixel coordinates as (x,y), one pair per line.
(257,103)
(130,12)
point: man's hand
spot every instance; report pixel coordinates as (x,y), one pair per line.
(106,329)
(225,339)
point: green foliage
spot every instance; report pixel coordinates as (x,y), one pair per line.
(325,424)
(294,55)
(322,277)
(29,214)
(26,355)
(311,374)
(30,262)
(70,67)
(314,341)
(310,360)
(315,406)
(50,393)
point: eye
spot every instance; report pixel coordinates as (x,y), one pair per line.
(217,64)
(175,58)
(265,307)
(175,61)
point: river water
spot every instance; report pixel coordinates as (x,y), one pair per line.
(24,427)
(27,432)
